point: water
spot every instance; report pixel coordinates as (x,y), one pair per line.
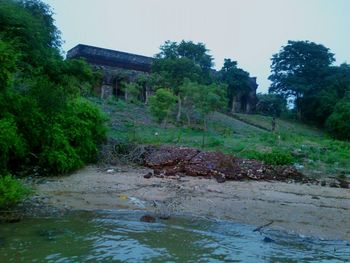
(119,236)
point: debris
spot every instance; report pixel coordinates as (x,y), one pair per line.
(123,197)
(261,227)
(172,160)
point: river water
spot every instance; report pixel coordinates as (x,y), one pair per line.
(119,236)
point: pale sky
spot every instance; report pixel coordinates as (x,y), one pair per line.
(248,31)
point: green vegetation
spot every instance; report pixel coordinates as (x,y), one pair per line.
(161,104)
(291,143)
(11,192)
(303,71)
(45,124)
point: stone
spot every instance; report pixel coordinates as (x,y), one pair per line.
(148,219)
(148,175)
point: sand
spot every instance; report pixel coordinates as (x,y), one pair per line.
(309,210)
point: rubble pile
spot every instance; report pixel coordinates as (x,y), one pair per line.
(172,160)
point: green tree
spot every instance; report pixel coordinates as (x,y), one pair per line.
(207,99)
(299,70)
(161,104)
(43,120)
(271,104)
(8,59)
(177,63)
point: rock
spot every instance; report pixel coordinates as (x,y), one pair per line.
(110,171)
(343,183)
(334,184)
(220,179)
(148,219)
(268,240)
(148,175)
(10,217)
(164,217)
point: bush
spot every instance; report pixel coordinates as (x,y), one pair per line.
(11,144)
(73,139)
(276,157)
(58,156)
(11,191)
(338,124)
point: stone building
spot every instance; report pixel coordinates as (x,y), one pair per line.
(118,67)
(245,102)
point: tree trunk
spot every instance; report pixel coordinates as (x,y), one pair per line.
(126,95)
(146,95)
(178,116)
(188,118)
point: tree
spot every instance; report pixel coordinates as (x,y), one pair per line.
(237,80)
(161,104)
(299,69)
(271,104)
(7,64)
(44,120)
(207,99)
(179,62)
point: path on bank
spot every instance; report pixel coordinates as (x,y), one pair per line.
(301,208)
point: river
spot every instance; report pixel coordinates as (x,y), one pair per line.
(119,236)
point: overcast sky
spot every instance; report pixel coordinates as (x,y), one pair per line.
(248,31)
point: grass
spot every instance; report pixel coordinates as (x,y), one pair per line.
(310,149)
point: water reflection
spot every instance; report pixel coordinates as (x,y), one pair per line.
(119,236)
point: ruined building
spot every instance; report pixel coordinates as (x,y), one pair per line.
(118,67)
(246,102)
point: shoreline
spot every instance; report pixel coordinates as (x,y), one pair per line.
(303,209)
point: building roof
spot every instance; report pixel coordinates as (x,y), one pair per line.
(111,58)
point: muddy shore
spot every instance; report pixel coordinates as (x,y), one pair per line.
(305,209)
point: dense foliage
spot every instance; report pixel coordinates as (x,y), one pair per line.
(303,71)
(271,105)
(186,69)
(45,124)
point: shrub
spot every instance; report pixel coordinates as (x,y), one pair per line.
(74,137)
(58,156)
(11,191)
(11,143)
(276,157)
(338,124)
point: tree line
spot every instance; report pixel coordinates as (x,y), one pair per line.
(46,126)
(304,72)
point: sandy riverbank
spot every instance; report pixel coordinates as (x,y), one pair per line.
(304,209)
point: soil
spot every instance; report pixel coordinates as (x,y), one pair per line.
(305,209)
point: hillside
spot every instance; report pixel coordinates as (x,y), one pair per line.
(242,135)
